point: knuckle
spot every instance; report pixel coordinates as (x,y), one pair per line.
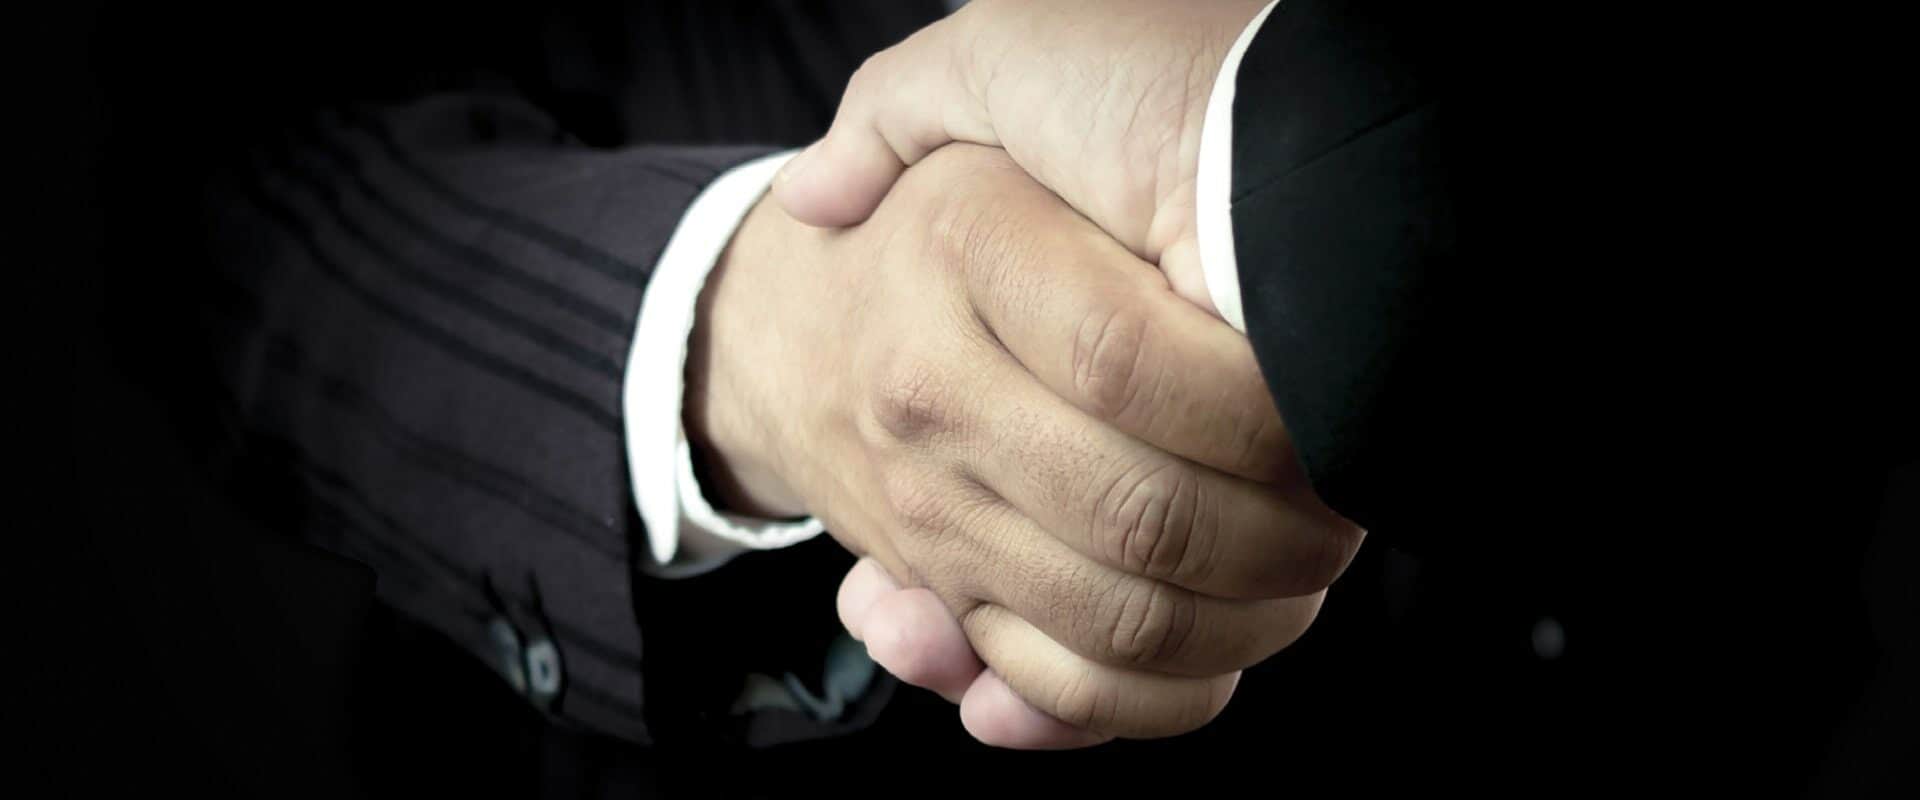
(1150,624)
(1153,520)
(919,502)
(1263,449)
(1085,701)
(976,618)
(968,234)
(952,222)
(1110,373)
(1322,560)
(911,404)
(1331,556)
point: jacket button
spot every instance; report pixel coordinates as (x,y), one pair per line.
(506,653)
(543,670)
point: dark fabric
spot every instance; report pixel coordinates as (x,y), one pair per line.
(1343,204)
(413,320)
(1464,256)
(1500,277)
(410,247)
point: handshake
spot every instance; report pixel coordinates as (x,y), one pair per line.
(971,334)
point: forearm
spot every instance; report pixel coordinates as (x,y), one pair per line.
(427,329)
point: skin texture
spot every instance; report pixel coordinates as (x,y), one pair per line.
(1102,101)
(1032,438)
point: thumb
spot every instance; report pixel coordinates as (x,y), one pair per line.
(839,180)
(864,586)
(902,104)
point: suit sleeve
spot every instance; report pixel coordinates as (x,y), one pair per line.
(1344,210)
(422,315)
(1450,280)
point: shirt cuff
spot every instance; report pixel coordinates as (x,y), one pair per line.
(684,533)
(1213,186)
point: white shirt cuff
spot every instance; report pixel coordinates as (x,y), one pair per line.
(1213,186)
(684,533)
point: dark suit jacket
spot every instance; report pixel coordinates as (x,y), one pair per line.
(419,240)
(1513,313)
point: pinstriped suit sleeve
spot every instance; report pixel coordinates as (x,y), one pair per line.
(423,315)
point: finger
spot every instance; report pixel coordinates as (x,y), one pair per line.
(1180,262)
(1102,329)
(866,583)
(995,715)
(839,180)
(911,634)
(1141,510)
(1101,613)
(1090,696)
(902,104)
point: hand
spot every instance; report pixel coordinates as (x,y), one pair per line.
(986,395)
(911,634)
(1100,100)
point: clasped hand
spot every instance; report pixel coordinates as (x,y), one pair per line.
(1014,416)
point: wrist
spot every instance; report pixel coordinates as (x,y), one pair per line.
(732,444)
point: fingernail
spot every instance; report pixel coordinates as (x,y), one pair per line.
(798,164)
